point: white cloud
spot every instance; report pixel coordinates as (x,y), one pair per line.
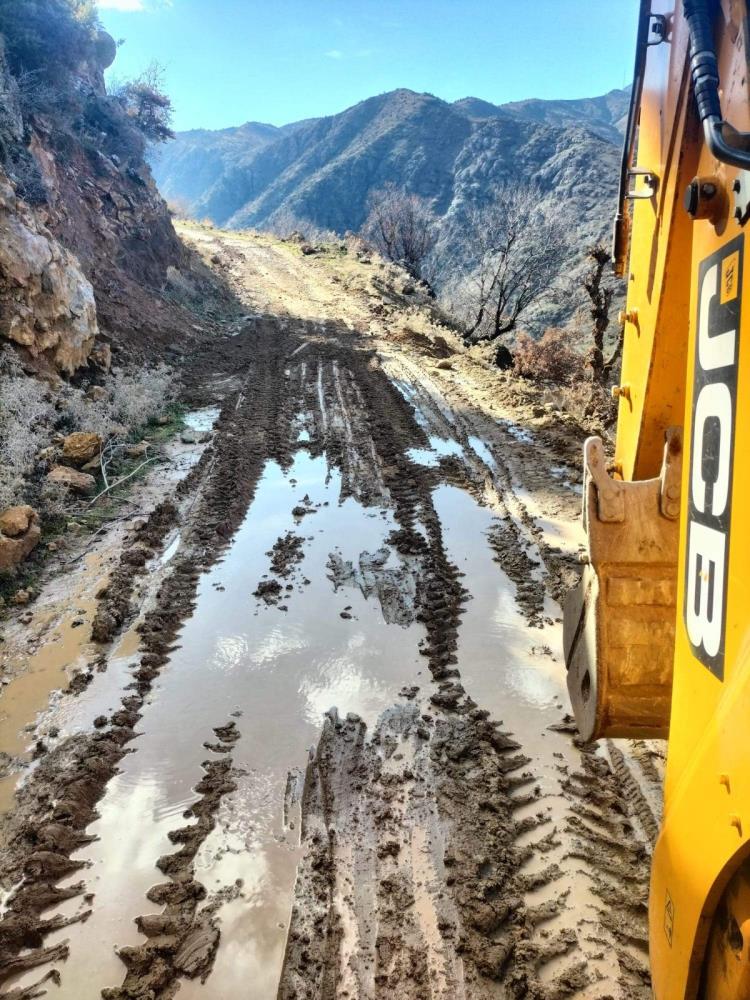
(334,54)
(124,5)
(131,6)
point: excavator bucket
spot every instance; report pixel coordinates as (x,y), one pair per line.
(619,623)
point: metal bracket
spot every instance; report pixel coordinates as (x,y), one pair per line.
(657,26)
(741,189)
(671,474)
(610,501)
(650,182)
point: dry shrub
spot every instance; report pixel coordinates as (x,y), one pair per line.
(549,359)
(135,396)
(27,413)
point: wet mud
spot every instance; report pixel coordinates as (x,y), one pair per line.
(374,793)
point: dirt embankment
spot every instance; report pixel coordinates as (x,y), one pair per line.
(444,852)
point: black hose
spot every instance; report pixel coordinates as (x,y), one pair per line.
(724,142)
(703,66)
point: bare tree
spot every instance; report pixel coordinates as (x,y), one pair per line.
(600,295)
(518,248)
(402,227)
(147,104)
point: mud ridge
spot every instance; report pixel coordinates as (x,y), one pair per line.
(183,939)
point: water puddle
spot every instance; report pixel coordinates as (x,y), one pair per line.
(521,434)
(281,670)
(64,647)
(201,420)
(439,448)
(170,551)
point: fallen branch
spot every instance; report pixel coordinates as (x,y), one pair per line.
(119,482)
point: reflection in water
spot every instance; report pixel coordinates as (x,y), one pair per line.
(278,672)
(201,420)
(343,683)
(439,448)
(281,671)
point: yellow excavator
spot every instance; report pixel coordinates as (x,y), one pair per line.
(657,635)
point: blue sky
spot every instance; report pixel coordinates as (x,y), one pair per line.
(231,61)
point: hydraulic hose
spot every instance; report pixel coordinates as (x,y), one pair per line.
(724,142)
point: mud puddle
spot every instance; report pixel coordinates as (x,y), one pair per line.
(282,665)
(58,645)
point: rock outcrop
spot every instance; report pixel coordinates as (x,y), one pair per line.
(86,239)
(46,302)
(19,534)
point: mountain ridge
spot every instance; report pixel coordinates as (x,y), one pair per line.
(187,168)
(317,175)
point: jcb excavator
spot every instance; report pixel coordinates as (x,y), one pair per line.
(657,636)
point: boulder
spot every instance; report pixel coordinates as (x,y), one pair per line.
(137,450)
(19,534)
(96,394)
(81,447)
(15,521)
(77,482)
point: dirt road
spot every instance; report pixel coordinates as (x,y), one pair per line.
(323,749)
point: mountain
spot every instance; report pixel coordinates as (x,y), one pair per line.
(318,174)
(242,176)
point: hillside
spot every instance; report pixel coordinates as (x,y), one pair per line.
(88,254)
(318,174)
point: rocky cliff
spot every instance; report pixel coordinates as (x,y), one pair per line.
(86,240)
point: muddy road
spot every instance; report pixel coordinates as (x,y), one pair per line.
(318,745)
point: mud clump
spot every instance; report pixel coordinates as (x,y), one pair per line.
(268,591)
(286,554)
(395,587)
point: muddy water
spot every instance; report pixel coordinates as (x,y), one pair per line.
(65,646)
(59,640)
(282,671)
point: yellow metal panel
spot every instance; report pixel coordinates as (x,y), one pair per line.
(706,829)
(659,277)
